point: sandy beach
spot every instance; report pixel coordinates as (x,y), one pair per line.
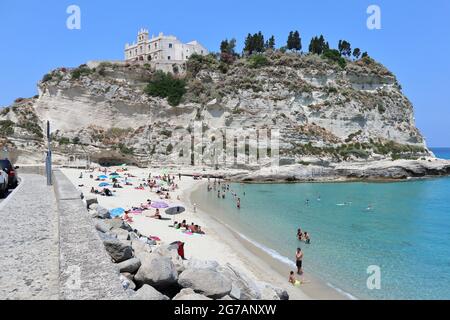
(219,243)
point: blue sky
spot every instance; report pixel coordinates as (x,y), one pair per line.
(414,40)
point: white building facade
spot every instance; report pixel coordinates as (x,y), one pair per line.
(163,49)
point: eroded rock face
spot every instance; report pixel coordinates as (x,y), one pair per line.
(311,100)
(206,281)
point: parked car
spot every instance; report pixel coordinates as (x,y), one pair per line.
(3,183)
(7,166)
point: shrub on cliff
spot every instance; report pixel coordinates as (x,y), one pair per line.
(335,56)
(197,62)
(47,77)
(81,70)
(6,127)
(257,61)
(166,86)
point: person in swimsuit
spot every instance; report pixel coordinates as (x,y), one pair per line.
(292,278)
(299,261)
(307,238)
(300,234)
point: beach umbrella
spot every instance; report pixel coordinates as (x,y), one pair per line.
(176,209)
(159,205)
(117,212)
(102,177)
(104,184)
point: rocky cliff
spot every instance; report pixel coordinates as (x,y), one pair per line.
(325,112)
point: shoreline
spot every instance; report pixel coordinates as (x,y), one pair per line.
(315,289)
(213,246)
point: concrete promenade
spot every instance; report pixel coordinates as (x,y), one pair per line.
(49,248)
(29,250)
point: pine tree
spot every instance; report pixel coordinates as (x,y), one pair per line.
(318,45)
(296,41)
(224,46)
(290,41)
(356,53)
(248,45)
(271,43)
(345,48)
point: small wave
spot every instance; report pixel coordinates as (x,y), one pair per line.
(274,254)
(348,295)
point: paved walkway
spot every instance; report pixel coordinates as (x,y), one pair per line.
(29,249)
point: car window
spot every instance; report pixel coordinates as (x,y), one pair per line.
(5,164)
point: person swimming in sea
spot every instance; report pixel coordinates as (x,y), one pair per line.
(307,238)
(299,234)
(238,203)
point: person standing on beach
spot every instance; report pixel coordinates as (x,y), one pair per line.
(299,261)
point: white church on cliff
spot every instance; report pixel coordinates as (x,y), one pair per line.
(161,49)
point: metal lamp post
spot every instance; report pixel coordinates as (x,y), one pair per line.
(48,160)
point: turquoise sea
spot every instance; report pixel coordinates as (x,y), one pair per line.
(406,233)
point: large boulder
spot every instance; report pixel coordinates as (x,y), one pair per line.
(102,213)
(157,271)
(118,251)
(101,225)
(205,281)
(116,223)
(244,288)
(140,249)
(189,294)
(90,200)
(121,234)
(129,266)
(171,251)
(149,293)
(268,292)
(194,263)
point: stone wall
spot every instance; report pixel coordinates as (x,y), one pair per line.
(86,271)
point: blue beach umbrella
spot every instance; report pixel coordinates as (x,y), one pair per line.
(103,184)
(102,177)
(117,212)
